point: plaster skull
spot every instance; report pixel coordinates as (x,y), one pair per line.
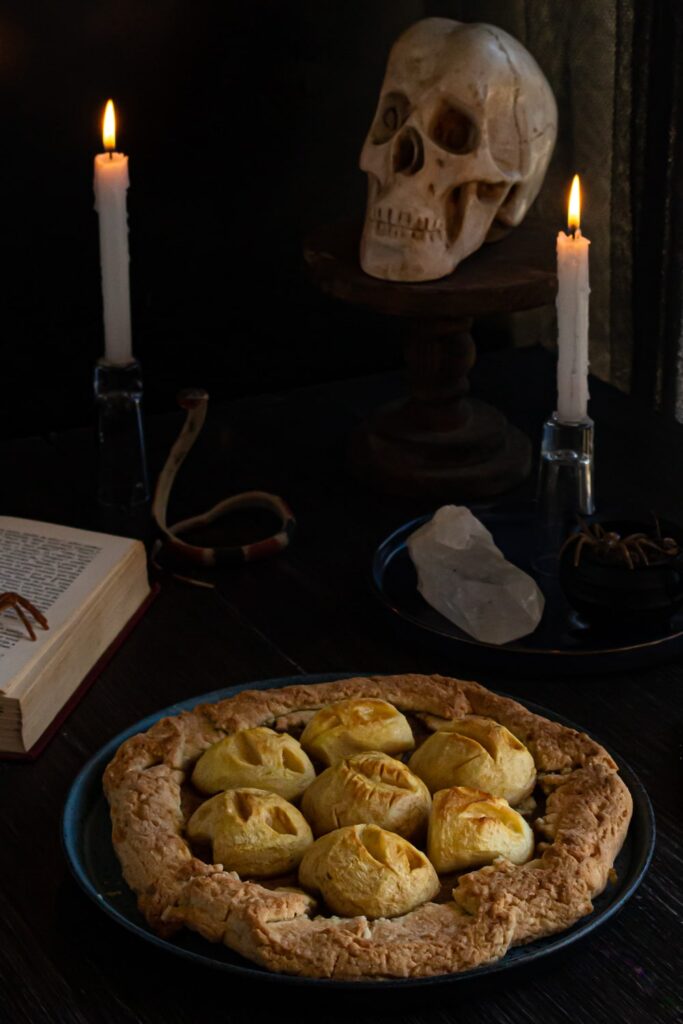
(457,151)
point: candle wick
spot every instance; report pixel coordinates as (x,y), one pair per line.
(111,155)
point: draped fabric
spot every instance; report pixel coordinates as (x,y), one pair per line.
(585,50)
(658,205)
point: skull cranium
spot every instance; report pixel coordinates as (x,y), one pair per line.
(457,151)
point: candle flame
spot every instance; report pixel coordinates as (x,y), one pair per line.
(574,217)
(109,126)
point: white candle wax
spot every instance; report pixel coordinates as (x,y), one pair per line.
(111,185)
(572,321)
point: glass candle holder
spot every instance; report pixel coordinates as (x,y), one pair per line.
(565,486)
(122,476)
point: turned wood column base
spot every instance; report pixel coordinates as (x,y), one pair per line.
(482,457)
(439,443)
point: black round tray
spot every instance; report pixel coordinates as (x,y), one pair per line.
(562,642)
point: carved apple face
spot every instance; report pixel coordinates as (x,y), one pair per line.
(468,828)
(368,788)
(479,753)
(363,869)
(351,726)
(457,151)
(252,831)
(259,758)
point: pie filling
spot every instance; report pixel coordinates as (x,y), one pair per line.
(378,842)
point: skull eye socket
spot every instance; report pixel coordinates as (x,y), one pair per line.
(454,130)
(392,114)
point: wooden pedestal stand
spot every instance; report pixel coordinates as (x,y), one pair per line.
(437,441)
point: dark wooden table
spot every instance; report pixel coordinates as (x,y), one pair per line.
(311,610)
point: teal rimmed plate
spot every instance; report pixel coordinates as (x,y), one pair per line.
(86,836)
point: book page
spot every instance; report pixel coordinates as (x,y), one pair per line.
(56,568)
(40,569)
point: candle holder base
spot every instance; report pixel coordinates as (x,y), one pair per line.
(122,481)
(565,487)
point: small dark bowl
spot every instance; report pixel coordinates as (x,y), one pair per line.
(611,594)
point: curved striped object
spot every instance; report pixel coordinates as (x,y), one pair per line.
(195,402)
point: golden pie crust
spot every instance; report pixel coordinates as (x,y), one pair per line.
(583,825)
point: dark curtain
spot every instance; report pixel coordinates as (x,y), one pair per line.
(658,206)
(585,50)
(616,67)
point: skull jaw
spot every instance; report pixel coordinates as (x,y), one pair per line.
(391,259)
(391,256)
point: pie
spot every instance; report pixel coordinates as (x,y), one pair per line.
(415,904)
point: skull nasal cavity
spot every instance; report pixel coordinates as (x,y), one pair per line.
(408,152)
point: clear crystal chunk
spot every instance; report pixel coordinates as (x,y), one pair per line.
(464,576)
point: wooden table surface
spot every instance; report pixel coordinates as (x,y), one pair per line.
(311,610)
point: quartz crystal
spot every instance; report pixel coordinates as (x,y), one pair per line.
(462,574)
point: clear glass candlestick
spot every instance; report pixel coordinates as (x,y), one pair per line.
(565,486)
(122,482)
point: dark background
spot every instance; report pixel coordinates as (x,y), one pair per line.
(243,122)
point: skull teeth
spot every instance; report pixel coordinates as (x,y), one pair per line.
(387,230)
(388,222)
(403,218)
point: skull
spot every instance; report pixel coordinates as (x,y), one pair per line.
(457,152)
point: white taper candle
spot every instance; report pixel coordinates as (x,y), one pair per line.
(111,185)
(572,320)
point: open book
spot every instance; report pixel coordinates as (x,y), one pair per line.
(89,586)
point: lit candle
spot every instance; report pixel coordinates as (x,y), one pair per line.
(111,185)
(572,316)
